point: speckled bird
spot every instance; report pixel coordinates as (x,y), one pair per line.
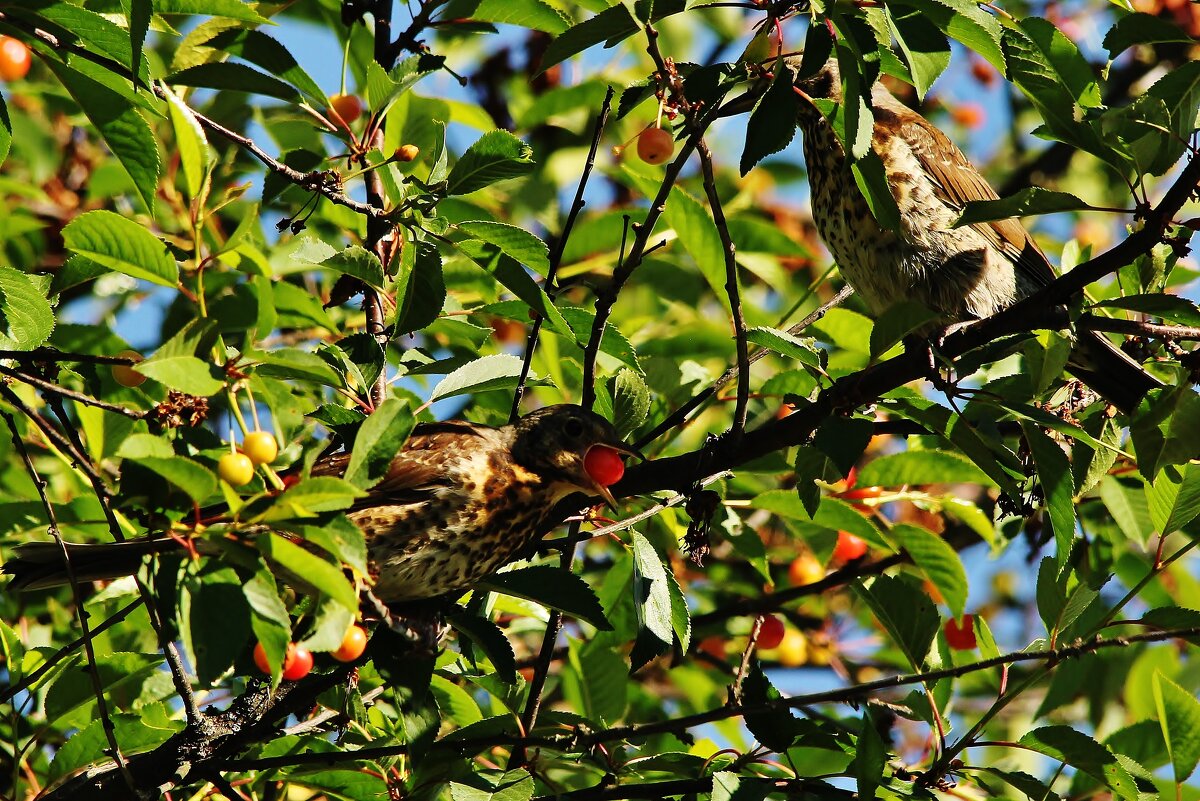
(962,274)
(458,501)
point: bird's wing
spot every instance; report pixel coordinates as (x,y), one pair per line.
(419,468)
(957,182)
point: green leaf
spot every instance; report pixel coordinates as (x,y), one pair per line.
(612,24)
(194,154)
(651,595)
(488,637)
(148,728)
(513,277)
(871,755)
(359,263)
(516,242)
(233,77)
(900,320)
(1058,488)
(498,371)
(95,31)
(296,364)
(5,131)
(318,494)
(921,467)
(126,134)
(121,244)
(534,14)
(1169,307)
(1179,714)
(184,373)
(513,785)
(802,349)
(192,477)
(496,156)
(966,22)
(1082,752)
(26,319)
(924,46)
(1142,28)
(216,620)
(312,571)
(424,289)
(74,687)
(833,514)
(1128,505)
(906,612)
(1173,497)
(379,440)
(772,124)
(340,537)
(775,728)
(259,48)
(872,182)
(1029,201)
(553,588)
(937,560)
(631,401)
(233,9)
(596,684)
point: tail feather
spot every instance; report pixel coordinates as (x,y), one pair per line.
(1110,372)
(37,565)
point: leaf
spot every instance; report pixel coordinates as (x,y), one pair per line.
(233,77)
(194,154)
(74,686)
(121,244)
(1058,488)
(921,467)
(1174,497)
(311,495)
(513,785)
(296,364)
(1029,201)
(498,371)
(612,24)
(1142,28)
(126,134)
(516,242)
(488,637)
(359,263)
(631,402)
(494,157)
(184,373)
(651,596)
(925,48)
(900,320)
(216,617)
(1127,504)
(1169,307)
(905,612)
(596,683)
(871,755)
(966,22)
(1179,715)
(513,277)
(312,570)
(775,728)
(1082,752)
(233,9)
(937,560)
(5,131)
(148,728)
(772,124)
(26,318)
(872,182)
(553,588)
(379,440)
(424,288)
(534,14)
(259,48)
(802,349)
(192,477)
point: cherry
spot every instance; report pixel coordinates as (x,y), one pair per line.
(353,644)
(771,632)
(406,153)
(260,447)
(348,107)
(124,374)
(805,569)
(961,636)
(655,146)
(793,650)
(260,658)
(849,547)
(299,666)
(15,59)
(236,469)
(604,465)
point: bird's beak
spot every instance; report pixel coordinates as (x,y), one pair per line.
(606,494)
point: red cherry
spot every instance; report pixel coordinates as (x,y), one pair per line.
(770,633)
(353,644)
(655,146)
(260,658)
(849,547)
(15,59)
(301,662)
(961,636)
(604,465)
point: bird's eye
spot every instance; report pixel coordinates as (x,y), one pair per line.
(573,428)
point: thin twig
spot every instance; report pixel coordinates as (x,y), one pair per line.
(1140,328)
(110,733)
(559,248)
(78,397)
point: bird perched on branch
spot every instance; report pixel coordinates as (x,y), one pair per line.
(961,274)
(458,501)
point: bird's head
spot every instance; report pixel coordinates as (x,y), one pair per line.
(554,443)
(825,83)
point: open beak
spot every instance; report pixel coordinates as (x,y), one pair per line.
(623,449)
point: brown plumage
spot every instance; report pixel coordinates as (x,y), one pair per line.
(458,501)
(962,273)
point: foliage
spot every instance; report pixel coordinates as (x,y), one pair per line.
(171,180)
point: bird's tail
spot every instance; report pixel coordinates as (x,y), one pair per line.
(1110,372)
(37,565)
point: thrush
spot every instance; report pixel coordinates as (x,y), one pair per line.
(960,274)
(458,501)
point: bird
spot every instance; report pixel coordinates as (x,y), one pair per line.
(960,274)
(458,501)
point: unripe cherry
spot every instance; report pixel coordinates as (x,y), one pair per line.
(655,146)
